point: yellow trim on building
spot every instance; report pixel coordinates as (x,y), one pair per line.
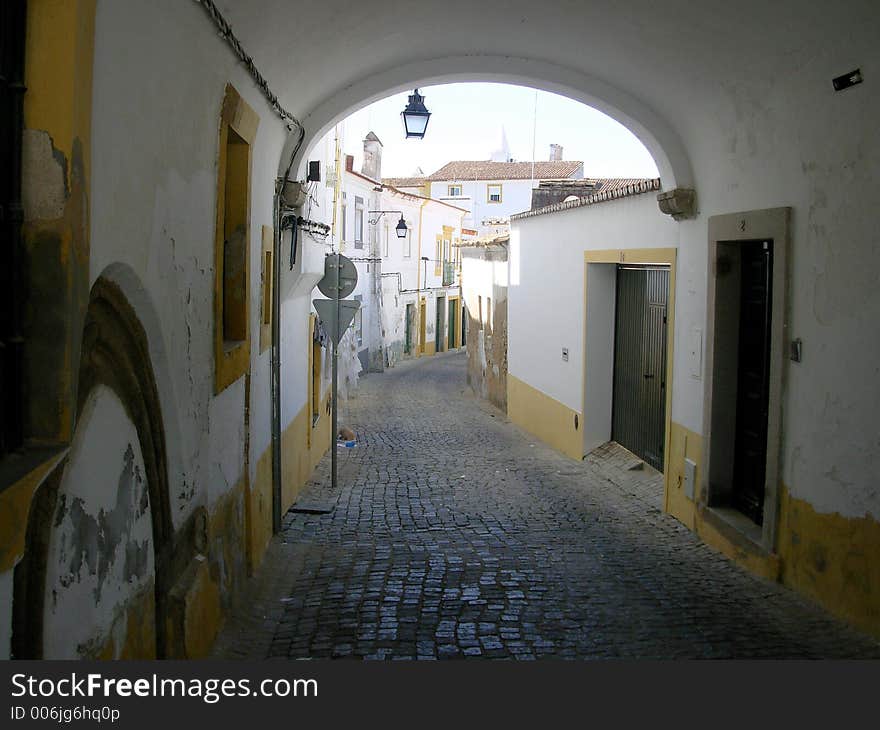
(682,444)
(59,56)
(15,506)
(232,360)
(544,417)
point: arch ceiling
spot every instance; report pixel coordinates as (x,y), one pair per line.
(661,69)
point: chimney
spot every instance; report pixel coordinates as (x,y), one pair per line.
(555,152)
(349,163)
(372,166)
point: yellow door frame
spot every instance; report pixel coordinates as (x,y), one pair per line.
(457,342)
(642,256)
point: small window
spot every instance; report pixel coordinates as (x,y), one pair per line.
(438,257)
(238,128)
(455,191)
(493,193)
(358,222)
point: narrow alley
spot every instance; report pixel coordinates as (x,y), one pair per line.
(453,534)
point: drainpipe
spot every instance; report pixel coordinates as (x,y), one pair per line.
(275,364)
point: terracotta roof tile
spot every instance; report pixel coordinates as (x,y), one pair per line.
(624,188)
(404,182)
(490,170)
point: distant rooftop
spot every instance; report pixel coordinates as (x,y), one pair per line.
(608,189)
(404,182)
(490,170)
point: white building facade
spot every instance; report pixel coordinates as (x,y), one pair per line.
(492,191)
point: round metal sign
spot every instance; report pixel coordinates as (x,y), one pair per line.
(347,280)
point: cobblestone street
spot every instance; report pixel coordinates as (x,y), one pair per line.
(454,534)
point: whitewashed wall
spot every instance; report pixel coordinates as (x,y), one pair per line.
(516,197)
(154,176)
(100,554)
(546,293)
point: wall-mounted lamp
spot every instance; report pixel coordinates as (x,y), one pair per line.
(415,116)
(400,228)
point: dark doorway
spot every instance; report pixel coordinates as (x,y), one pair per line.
(453,318)
(638,413)
(464,325)
(407,342)
(12,44)
(753,379)
(439,330)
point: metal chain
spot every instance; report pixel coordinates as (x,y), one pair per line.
(230,37)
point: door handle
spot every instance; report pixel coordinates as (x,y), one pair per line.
(649,375)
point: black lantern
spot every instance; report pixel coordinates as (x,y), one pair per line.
(400,228)
(415,116)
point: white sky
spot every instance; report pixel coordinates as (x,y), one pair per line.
(466,122)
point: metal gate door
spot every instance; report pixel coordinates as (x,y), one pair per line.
(638,415)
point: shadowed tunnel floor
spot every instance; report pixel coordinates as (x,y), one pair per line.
(455,534)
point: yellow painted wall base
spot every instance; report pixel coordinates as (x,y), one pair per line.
(834,560)
(430,349)
(683,443)
(15,506)
(300,454)
(137,630)
(197,613)
(739,549)
(544,417)
(259,511)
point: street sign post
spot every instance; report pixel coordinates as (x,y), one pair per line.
(336,313)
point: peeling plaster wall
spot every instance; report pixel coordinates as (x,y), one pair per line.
(100,555)
(154,174)
(484,276)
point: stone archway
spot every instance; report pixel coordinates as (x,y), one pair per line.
(115,368)
(659,137)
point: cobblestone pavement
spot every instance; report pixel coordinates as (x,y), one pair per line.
(455,534)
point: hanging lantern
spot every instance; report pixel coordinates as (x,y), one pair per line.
(415,116)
